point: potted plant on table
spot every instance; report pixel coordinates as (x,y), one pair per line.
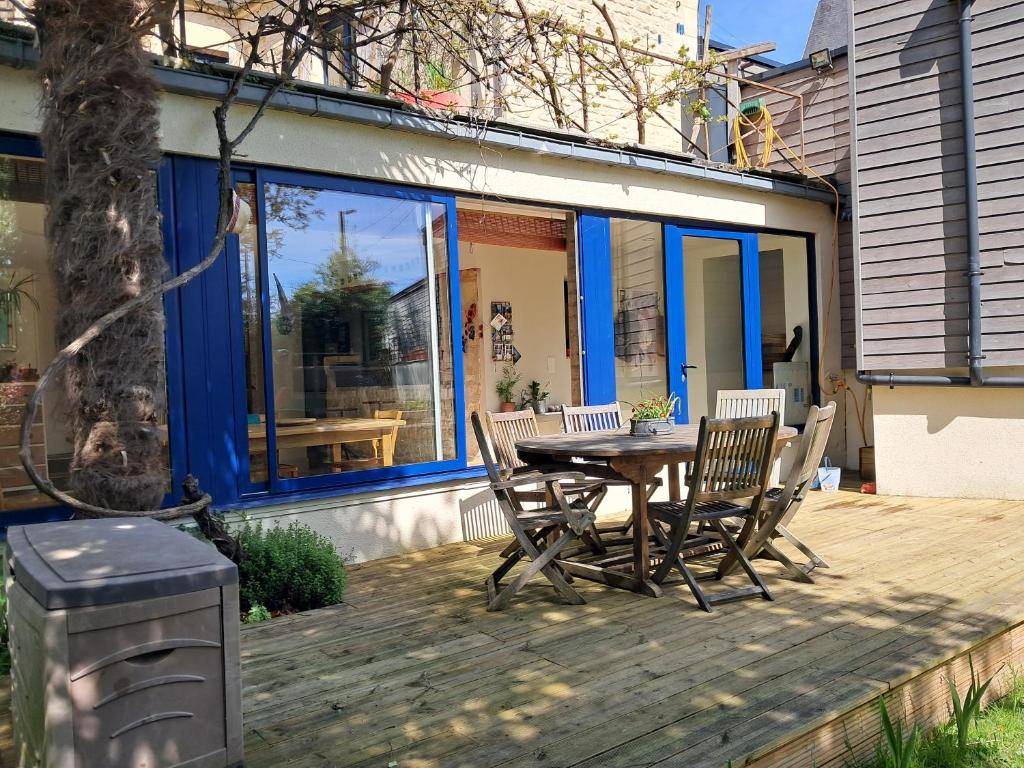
(536,397)
(506,387)
(653,416)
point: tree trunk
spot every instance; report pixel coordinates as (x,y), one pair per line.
(100,140)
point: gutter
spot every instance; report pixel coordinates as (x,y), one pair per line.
(975,356)
(366,109)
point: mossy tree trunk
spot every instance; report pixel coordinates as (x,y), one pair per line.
(100,139)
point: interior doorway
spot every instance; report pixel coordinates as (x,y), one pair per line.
(520,318)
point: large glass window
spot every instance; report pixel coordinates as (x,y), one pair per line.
(28,339)
(638,285)
(359,335)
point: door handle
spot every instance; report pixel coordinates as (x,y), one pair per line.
(686,367)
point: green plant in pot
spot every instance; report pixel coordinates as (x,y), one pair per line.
(536,397)
(653,416)
(506,387)
(14,291)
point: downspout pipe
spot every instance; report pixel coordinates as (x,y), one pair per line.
(975,356)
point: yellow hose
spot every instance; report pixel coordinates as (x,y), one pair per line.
(760,122)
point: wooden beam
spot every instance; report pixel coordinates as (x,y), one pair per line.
(745,51)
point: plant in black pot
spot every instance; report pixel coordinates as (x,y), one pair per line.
(653,416)
(536,397)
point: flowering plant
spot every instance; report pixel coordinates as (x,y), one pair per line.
(657,407)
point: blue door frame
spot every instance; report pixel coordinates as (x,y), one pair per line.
(597,307)
(675,301)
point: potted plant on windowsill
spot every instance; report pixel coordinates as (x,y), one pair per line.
(506,387)
(653,416)
(536,397)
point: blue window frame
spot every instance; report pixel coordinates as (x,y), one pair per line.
(598,310)
(216,407)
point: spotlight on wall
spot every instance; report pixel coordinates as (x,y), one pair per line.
(821,60)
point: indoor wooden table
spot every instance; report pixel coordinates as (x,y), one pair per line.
(634,459)
(332,431)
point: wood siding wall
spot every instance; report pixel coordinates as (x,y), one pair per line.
(826,151)
(910,181)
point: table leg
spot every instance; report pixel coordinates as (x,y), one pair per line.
(642,538)
(674,489)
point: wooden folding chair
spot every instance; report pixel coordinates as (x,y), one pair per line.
(505,429)
(595,418)
(740,403)
(541,534)
(732,465)
(591,418)
(783,503)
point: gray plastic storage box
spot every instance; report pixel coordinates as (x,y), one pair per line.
(124,646)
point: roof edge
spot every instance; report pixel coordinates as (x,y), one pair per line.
(17,50)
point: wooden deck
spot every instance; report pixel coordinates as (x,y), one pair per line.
(412,671)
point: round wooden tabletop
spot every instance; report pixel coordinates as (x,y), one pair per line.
(679,446)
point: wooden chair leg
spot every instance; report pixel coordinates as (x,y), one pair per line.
(741,558)
(815,560)
(673,543)
(542,562)
(800,573)
(680,563)
(493,581)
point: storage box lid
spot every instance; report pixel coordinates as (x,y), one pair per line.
(98,562)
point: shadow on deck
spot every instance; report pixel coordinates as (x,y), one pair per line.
(412,671)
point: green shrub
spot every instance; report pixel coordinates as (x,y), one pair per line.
(257,614)
(289,569)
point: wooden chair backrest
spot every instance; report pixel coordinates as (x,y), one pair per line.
(493,471)
(506,429)
(507,500)
(740,403)
(808,458)
(591,418)
(734,459)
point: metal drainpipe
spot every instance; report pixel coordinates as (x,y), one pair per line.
(975,356)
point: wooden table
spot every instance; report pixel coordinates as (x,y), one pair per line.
(328,432)
(634,459)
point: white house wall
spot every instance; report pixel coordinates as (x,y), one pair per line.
(369,527)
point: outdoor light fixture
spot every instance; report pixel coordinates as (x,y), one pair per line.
(821,60)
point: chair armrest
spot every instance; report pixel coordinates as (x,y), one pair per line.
(537,477)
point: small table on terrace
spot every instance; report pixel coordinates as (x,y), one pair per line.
(634,459)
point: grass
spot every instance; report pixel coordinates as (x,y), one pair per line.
(996,739)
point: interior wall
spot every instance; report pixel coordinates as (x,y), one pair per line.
(945,442)
(533,281)
(36,345)
(638,280)
(704,342)
(795,306)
